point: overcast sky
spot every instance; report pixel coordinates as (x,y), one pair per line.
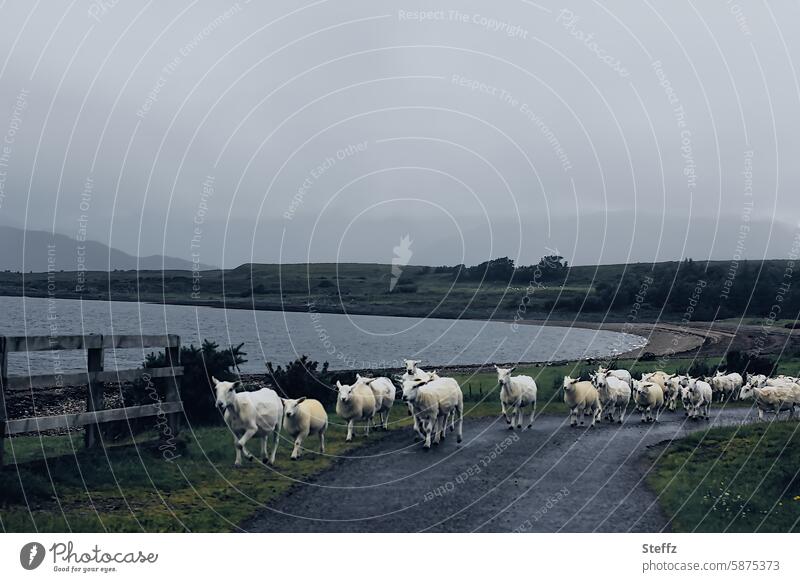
(326,131)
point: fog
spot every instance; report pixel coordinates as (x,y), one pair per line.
(327,131)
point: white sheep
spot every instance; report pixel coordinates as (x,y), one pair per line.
(726,386)
(432,417)
(303,417)
(615,394)
(581,396)
(700,395)
(782,381)
(385,392)
(686,399)
(658,377)
(773,398)
(451,404)
(355,403)
(425,406)
(648,397)
(672,390)
(756,381)
(414,373)
(248,415)
(516,393)
(623,375)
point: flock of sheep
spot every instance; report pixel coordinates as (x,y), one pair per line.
(610,391)
(435,402)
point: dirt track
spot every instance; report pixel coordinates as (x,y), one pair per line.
(551,478)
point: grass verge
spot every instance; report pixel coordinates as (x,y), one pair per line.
(59,486)
(732,479)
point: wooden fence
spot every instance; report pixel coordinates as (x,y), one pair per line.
(93,378)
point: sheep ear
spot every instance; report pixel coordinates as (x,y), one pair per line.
(512,369)
(338,384)
(301,399)
(237,384)
(214,380)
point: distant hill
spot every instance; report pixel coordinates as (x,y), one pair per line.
(33,250)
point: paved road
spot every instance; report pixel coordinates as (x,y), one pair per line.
(550,478)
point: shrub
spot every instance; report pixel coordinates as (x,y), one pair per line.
(736,361)
(700,369)
(303,377)
(199,364)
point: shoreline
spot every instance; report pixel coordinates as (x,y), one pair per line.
(663,340)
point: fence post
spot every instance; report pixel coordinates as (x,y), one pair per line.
(173,354)
(3,376)
(94,398)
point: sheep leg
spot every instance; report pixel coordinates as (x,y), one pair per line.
(460,431)
(533,414)
(518,409)
(366,428)
(581,413)
(298,442)
(436,430)
(238,461)
(427,428)
(265,449)
(276,434)
(248,434)
(417,428)
(349,436)
(453,422)
(504,411)
(322,441)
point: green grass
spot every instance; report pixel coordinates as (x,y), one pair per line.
(133,488)
(737,479)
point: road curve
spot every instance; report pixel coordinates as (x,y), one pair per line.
(547,479)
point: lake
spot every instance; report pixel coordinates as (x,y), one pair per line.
(346,341)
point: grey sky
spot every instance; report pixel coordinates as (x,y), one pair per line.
(482,130)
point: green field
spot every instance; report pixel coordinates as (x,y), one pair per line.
(590,293)
(736,479)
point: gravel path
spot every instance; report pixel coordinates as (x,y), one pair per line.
(550,478)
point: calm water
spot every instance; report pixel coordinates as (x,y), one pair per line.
(357,342)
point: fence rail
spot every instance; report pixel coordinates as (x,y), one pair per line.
(94,379)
